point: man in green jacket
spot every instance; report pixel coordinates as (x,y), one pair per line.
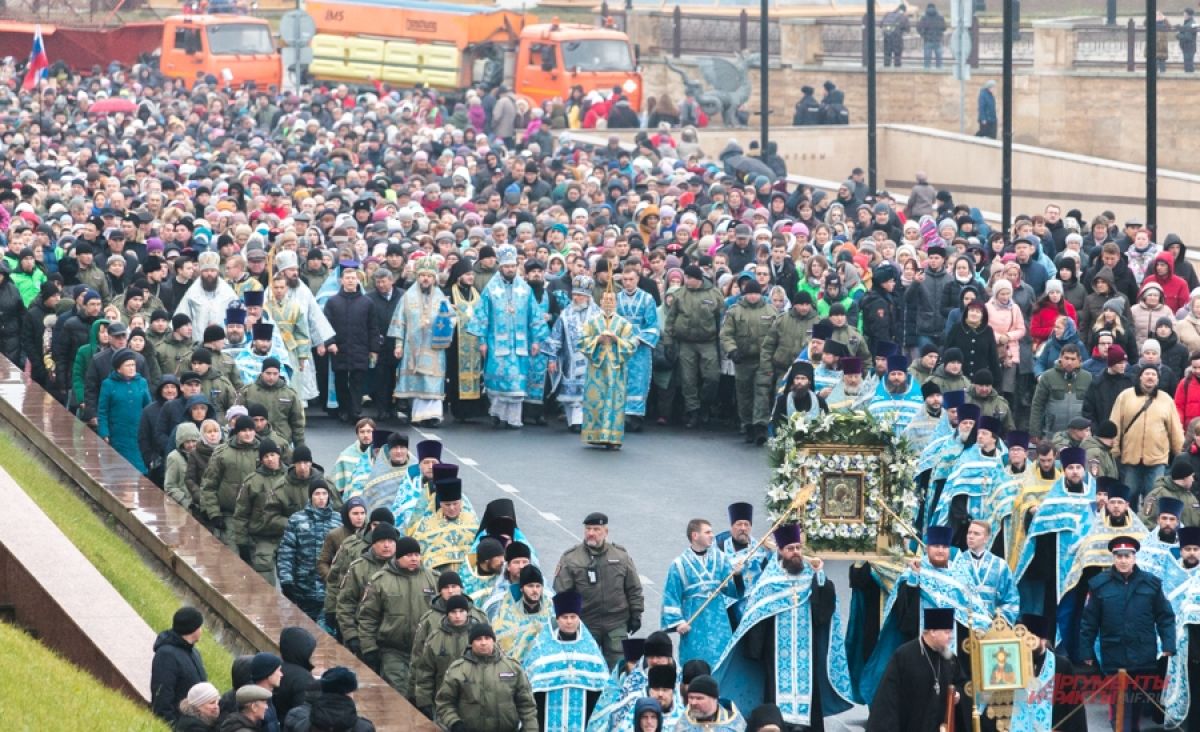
(444,644)
(396,598)
(1179,484)
(1101,461)
(285,411)
(350,550)
(263,508)
(692,323)
(499,699)
(230,465)
(353,585)
(742,334)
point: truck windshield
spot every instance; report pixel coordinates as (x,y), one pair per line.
(229,39)
(597,55)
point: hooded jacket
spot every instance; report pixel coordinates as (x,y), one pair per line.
(1175,289)
(1183,268)
(296,646)
(643,705)
(1050,352)
(176,668)
(1144,317)
(147,442)
(978,345)
(175,475)
(83,359)
(327,712)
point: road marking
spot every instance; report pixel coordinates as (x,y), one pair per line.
(645,580)
(431,436)
(552,518)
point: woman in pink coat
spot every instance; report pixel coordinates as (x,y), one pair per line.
(1004,316)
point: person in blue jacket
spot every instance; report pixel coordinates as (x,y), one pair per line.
(123,395)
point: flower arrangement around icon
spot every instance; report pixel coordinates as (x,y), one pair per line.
(857,462)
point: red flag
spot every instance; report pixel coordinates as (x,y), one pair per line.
(38,62)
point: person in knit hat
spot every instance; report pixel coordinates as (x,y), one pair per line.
(177,665)
(200,709)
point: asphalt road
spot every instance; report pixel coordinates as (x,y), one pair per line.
(650,489)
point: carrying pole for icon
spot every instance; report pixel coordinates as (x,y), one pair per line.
(802,497)
(1119,716)
(948,724)
(901,523)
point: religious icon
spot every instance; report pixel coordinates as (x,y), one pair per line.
(842,497)
(1001,665)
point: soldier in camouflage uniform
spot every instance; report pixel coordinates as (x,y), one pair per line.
(231,463)
(784,341)
(213,383)
(742,334)
(354,582)
(285,410)
(214,343)
(484,672)
(174,353)
(443,646)
(449,585)
(349,550)
(396,597)
(302,540)
(258,526)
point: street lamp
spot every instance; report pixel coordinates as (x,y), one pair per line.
(872,162)
(764,113)
(1007,121)
(1152,116)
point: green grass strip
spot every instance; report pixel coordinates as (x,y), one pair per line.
(40,690)
(125,570)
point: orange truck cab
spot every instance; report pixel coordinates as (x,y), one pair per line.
(235,49)
(450,46)
(554,57)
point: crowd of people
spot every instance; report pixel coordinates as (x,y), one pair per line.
(195,279)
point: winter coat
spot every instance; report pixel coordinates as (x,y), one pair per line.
(296,646)
(147,440)
(176,668)
(444,644)
(504,117)
(925,298)
(1122,332)
(785,339)
(263,506)
(188,723)
(1187,400)
(1141,261)
(487,694)
(175,476)
(347,313)
(1100,458)
(1188,330)
(1006,321)
(978,346)
(12,315)
(1165,487)
(1102,394)
(303,539)
(952,294)
(882,316)
(1174,353)
(744,167)
(1154,436)
(394,601)
(1144,317)
(1176,292)
(98,370)
(33,332)
(1048,356)
(231,463)
(83,361)
(1130,617)
(119,410)
(73,332)
(1123,281)
(1057,399)
(328,712)
(1183,267)
(1041,325)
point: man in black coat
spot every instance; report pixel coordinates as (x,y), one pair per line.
(916,685)
(73,331)
(33,329)
(384,298)
(1102,393)
(808,109)
(296,646)
(177,665)
(353,346)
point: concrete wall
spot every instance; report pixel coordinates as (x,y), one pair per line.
(969,167)
(1089,113)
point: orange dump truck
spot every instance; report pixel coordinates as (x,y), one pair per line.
(446,46)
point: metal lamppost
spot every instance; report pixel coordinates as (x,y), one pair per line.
(872,161)
(1007,120)
(1152,116)
(764,112)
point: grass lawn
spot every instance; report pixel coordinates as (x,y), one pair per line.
(123,567)
(40,690)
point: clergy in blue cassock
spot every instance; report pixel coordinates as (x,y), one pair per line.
(737,543)
(1065,517)
(692,577)
(1046,708)
(934,581)
(898,397)
(938,459)
(510,325)
(389,475)
(789,649)
(638,308)
(616,703)
(969,485)
(1181,584)
(988,573)
(566,668)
